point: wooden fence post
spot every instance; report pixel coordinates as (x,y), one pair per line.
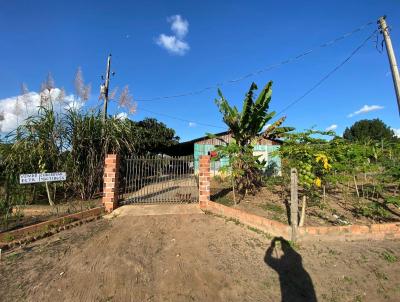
(294,203)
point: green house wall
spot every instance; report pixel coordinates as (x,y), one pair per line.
(273,162)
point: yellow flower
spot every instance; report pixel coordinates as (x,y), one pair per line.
(317,182)
(322,157)
(327,166)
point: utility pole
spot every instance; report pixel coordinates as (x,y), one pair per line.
(392,59)
(104,88)
(294,203)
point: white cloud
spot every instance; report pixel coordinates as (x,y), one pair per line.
(122,116)
(14,110)
(172,44)
(366,109)
(331,127)
(71,102)
(192,124)
(396,132)
(179,26)
(266,127)
(175,44)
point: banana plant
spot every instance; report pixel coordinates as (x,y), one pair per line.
(249,124)
(247,127)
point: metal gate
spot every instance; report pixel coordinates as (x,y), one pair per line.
(158,179)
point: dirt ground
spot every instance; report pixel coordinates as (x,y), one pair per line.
(195,257)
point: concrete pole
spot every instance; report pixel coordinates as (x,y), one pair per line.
(294,203)
(106,84)
(392,59)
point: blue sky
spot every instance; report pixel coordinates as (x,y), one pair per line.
(214,41)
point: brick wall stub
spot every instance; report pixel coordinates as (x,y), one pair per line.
(110,182)
(271,227)
(32,229)
(351,232)
(204,180)
(318,233)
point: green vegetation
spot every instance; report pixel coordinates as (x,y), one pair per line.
(75,141)
(389,257)
(224,201)
(365,173)
(369,130)
(246,128)
(8,238)
(362,168)
(266,235)
(272,208)
(14,256)
(234,220)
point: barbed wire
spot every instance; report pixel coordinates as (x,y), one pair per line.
(182,119)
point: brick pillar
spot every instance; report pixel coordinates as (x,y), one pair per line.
(204,180)
(110,182)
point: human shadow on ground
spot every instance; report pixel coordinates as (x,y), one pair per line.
(296,284)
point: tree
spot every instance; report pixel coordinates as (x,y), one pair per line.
(153,136)
(246,128)
(308,152)
(365,130)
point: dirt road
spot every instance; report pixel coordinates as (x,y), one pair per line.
(194,257)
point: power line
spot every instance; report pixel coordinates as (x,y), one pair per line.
(181,119)
(323,79)
(265,69)
(316,85)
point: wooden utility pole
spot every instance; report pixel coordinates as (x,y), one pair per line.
(104,88)
(392,59)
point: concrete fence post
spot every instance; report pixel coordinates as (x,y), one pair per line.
(294,203)
(110,182)
(204,180)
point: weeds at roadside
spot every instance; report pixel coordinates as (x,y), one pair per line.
(272,208)
(234,220)
(294,245)
(13,256)
(224,201)
(358,298)
(237,222)
(380,275)
(9,238)
(333,252)
(266,235)
(333,297)
(389,256)
(347,279)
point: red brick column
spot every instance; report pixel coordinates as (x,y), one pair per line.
(204,180)
(110,182)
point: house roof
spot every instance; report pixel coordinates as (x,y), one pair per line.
(187,148)
(222,134)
